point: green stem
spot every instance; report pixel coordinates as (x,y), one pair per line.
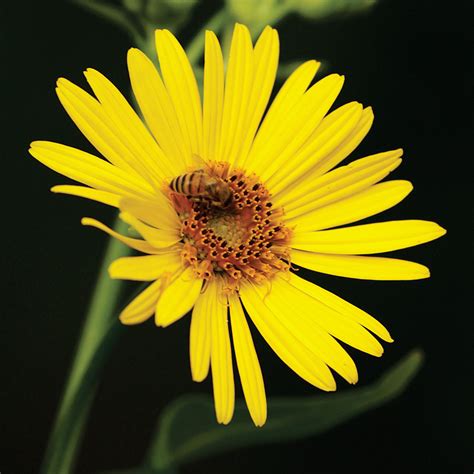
(99,332)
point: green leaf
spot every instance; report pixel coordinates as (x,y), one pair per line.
(188,431)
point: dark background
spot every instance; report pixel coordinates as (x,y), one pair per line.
(411,60)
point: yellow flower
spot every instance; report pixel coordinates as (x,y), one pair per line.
(227,198)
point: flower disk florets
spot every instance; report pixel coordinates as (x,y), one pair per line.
(242,238)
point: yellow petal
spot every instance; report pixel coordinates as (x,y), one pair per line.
(289,94)
(365,268)
(136,244)
(93,194)
(368,238)
(294,129)
(128,124)
(143,306)
(145,268)
(342,309)
(177,298)
(89,170)
(369,202)
(247,363)
(332,131)
(200,334)
(317,322)
(158,110)
(266,54)
(156,212)
(182,88)
(213,96)
(302,317)
(339,183)
(284,342)
(221,357)
(351,142)
(158,238)
(238,90)
(91,118)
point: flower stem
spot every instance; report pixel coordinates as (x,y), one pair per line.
(100,331)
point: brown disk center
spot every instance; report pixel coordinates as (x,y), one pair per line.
(229,226)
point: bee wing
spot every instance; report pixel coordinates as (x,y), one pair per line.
(199,161)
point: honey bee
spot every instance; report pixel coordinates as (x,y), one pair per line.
(200,187)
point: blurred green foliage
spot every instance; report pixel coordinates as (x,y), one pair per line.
(139,18)
(320,9)
(187,430)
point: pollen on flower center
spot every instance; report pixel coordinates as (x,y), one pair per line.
(229,226)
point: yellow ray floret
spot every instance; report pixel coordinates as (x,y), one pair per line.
(213,98)
(247,363)
(182,88)
(104,197)
(365,268)
(158,110)
(145,267)
(200,335)
(143,306)
(368,238)
(178,297)
(285,342)
(369,202)
(221,357)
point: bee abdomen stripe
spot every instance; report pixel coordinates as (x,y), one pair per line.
(174,185)
(181,184)
(200,184)
(191,185)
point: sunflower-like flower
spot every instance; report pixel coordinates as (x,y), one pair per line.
(227,198)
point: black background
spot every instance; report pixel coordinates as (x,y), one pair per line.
(412,61)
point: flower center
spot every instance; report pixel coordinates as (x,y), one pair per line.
(229,226)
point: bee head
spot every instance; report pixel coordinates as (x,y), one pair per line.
(221,193)
(224,193)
